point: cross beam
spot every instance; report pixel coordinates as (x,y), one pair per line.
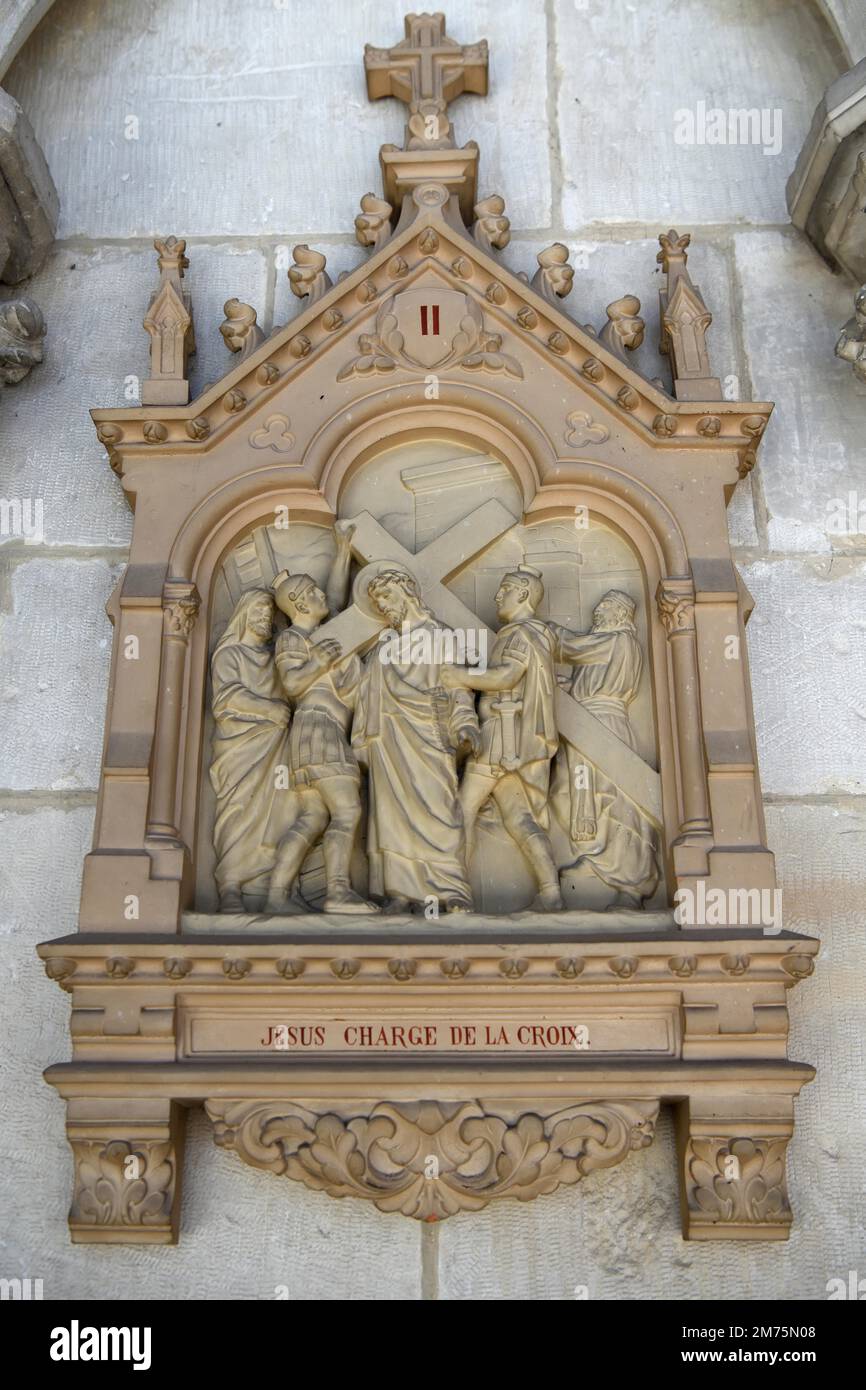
(435,563)
(427,67)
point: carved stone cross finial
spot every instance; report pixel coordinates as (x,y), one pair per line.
(426,71)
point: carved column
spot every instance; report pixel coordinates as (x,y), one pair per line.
(675,600)
(180,603)
(128,1158)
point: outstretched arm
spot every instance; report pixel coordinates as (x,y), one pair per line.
(337,590)
(583,649)
(502,677)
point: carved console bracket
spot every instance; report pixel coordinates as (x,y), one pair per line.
(533,1088)
(432,1159)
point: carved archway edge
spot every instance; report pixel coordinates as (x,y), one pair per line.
(549,488)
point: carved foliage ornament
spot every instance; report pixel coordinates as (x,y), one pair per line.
(738,1180)
(430,1160)
(458,340)
(123,1184)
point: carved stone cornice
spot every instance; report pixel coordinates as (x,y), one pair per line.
(431,242)
(430,1159)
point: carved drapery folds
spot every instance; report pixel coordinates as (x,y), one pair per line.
(430,1160)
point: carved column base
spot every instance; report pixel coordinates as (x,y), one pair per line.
(732,1172)
(432,1159)
(128,1161)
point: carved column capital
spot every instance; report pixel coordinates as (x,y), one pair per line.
(180,605)
(675,601)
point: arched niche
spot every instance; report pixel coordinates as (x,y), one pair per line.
(418,484)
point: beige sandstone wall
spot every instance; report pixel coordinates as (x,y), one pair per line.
(578,134)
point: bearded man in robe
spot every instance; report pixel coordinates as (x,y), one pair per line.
(250,748)
(408,730)
(607,831)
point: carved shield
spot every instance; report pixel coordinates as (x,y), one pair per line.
(429,320)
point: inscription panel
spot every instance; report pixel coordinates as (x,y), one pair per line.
(377,1029)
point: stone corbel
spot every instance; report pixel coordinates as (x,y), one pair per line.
(128,1157)
(733,1181)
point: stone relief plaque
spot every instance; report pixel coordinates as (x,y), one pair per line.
(429,745)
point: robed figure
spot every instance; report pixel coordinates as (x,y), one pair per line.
(254,808)
(608,832)
(408,730)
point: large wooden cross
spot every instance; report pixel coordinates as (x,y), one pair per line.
(426,71)
(432,566)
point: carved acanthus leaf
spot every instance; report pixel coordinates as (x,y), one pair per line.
(386,1154)
(554,276)
(373,222)
(739,1180)
(492,229)
(123,1184)
(240,331)
(308,277)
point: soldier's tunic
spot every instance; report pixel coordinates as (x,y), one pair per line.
(318,739)
(536,646)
